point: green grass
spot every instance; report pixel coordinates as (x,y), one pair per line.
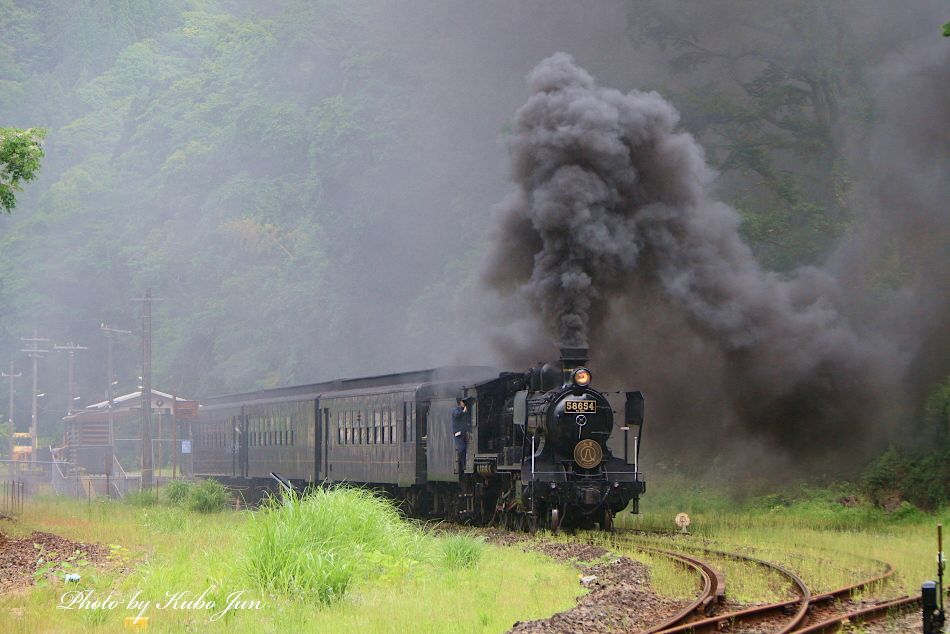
(461,551)
(319,545)
(407,580)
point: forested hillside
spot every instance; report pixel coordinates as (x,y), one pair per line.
(307,185)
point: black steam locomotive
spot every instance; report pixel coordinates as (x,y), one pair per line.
(537,454)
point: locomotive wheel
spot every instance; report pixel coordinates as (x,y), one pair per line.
(555,520)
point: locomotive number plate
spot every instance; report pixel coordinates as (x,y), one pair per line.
(580,407)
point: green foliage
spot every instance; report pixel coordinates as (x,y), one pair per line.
(946,29)
(771,112)
(918,477)
(316,547)
(207,496)
(462,551)
(219,140)
(20,154)
(51,563)
(204,496)
(176,491)
(142,498)
(840,506)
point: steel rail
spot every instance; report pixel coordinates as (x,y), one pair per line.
(715,623)
(860,616)
(713,586)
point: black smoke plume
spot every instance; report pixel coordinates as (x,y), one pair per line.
(613,224)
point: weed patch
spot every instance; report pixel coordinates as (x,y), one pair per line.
(461,551)
(318,545)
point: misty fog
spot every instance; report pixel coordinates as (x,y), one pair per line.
(314,191)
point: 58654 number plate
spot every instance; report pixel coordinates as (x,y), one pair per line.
(580,407)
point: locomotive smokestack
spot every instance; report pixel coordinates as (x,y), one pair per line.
(571,359)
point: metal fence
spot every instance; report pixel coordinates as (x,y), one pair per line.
(68,480)
(12,493)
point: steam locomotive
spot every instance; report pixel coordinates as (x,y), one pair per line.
(537,454)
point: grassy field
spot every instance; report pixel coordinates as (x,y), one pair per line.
(346,563)
(416,582)
(829,537)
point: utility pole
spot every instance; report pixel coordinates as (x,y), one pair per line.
(146,387)
(110,384)
(12,375)
(36,354)
(71,348)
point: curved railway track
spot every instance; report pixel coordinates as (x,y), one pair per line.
(807,614)
(713,589)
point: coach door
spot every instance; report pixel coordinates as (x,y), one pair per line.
(322,457)
(240,443)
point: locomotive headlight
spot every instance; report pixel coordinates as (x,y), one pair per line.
(581,377)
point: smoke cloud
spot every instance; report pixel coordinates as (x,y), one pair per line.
(613,212)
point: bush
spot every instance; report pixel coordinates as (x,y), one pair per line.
(317,546)
(141,498)
(461,551)
(177,491)
(921,478)
(208,496)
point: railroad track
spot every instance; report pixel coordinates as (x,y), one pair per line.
(713,589)
(806,614)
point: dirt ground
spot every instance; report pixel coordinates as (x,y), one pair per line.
(620,598)
(21,558)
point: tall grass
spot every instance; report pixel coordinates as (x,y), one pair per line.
(168,548)
(207,496)
(319,545)
(461,551)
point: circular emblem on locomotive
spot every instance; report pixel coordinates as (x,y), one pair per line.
(588,454)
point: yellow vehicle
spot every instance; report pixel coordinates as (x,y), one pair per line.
(22,447)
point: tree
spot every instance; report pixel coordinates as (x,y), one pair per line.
(770,90)
(20,154)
